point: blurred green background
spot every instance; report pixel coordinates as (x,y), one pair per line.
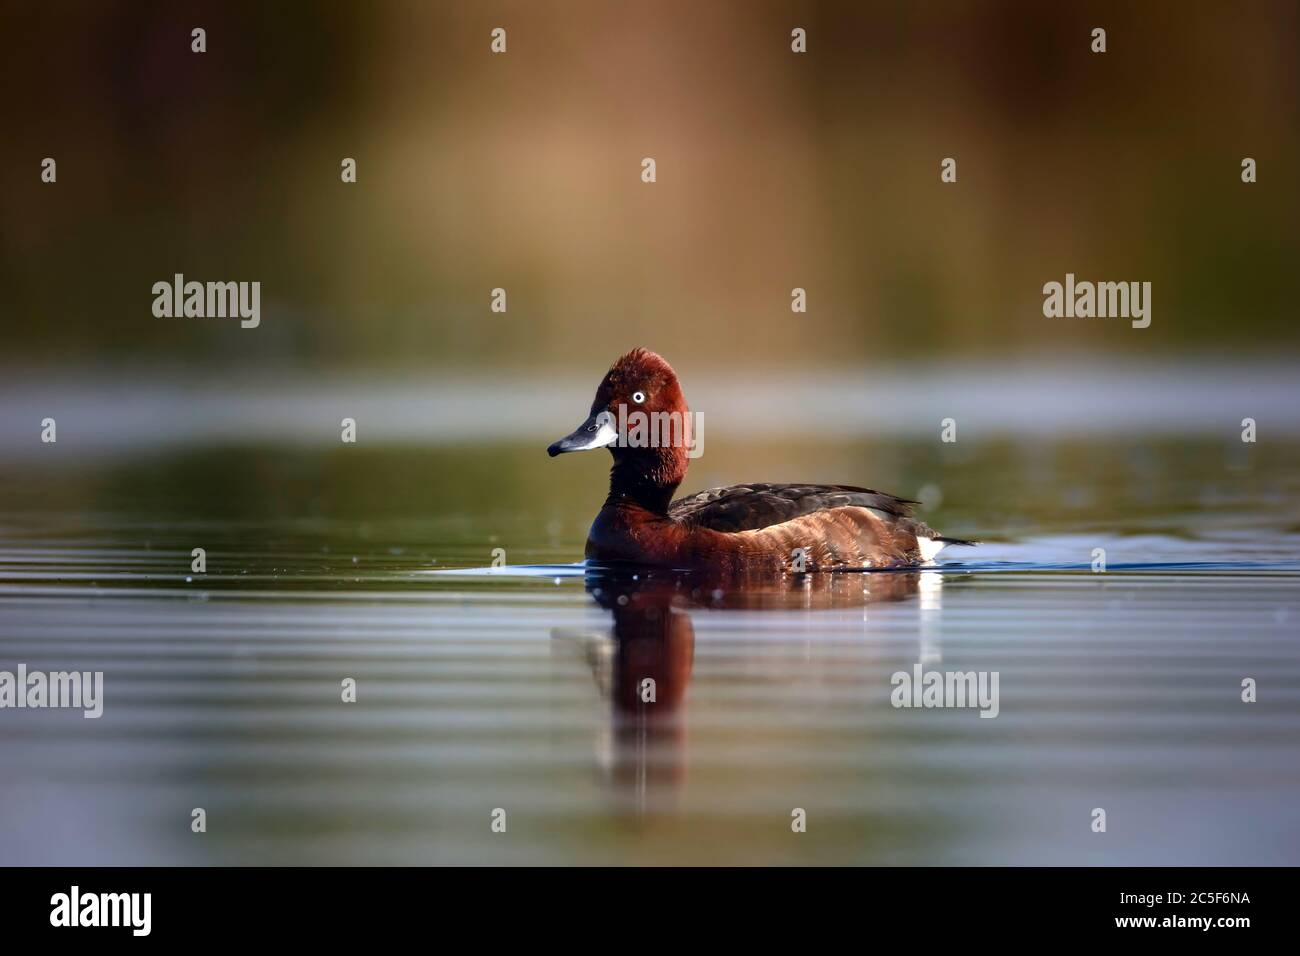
(522,171)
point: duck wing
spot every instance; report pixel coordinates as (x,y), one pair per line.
(756,506)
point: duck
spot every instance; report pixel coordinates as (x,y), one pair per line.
(739,529)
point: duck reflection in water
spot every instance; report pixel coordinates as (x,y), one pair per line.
(642,665)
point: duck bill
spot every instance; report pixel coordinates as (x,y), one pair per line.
(598,431)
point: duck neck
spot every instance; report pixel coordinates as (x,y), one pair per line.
(646,478)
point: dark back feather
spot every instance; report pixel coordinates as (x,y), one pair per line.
(755,506)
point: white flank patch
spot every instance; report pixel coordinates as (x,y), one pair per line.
(930,547)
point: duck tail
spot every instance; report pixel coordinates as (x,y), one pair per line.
(961,541)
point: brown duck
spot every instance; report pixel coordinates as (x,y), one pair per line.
(641,416)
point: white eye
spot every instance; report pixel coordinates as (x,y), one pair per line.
(638,397)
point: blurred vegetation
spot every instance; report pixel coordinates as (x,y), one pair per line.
(522,171)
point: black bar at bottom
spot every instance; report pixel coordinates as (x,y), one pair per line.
(206,905)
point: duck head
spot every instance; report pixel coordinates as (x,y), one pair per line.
(641,416)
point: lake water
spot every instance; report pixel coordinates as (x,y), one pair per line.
(520,688)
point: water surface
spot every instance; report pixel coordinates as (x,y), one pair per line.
(518,688)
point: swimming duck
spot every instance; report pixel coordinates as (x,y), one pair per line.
(741,528)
